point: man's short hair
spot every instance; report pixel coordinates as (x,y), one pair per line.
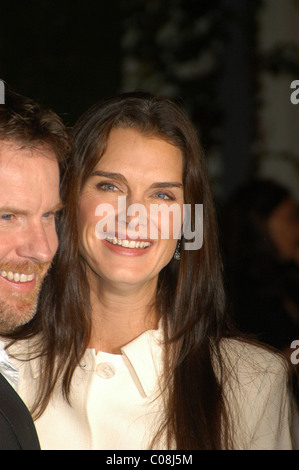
(22,120)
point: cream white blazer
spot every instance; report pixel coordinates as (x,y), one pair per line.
(115,402)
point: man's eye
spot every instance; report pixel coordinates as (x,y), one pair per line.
(49,215)
(7,216)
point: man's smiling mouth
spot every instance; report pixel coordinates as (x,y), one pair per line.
(16,276)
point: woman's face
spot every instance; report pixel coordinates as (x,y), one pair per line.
(135,169)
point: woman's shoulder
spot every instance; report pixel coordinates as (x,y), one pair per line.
(249,355)
(253,366)
(256,387)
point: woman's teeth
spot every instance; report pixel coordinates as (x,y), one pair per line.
(17,277)
(127,243)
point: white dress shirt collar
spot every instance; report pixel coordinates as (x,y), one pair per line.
(6,367)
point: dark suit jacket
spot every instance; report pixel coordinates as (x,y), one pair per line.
(17,430)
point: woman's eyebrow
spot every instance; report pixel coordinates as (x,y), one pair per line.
(106,174)
(167,184)
(119,176)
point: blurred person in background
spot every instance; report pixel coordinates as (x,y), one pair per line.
(260,238)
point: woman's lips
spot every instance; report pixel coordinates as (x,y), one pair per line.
(127,246)
(128,242)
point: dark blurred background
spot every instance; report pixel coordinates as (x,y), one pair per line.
(229,63)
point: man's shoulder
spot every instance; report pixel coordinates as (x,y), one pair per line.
(8,438)
(15,420)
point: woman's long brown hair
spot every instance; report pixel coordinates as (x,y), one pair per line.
(190,296)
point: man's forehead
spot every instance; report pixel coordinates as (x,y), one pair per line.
(14,147)
(18,163)
(9,146)
(27,182)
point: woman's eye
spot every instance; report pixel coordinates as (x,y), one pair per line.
(163,196)
(106,186)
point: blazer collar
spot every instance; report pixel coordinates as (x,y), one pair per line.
(144,353)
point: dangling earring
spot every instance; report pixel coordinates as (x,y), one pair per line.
(177,253)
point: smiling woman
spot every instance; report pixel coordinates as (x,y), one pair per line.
(136,338)
(139,163)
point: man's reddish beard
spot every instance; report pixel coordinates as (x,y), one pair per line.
(18,308)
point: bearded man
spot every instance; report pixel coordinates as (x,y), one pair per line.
(34,144)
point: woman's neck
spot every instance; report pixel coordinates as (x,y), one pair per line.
(120,314)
